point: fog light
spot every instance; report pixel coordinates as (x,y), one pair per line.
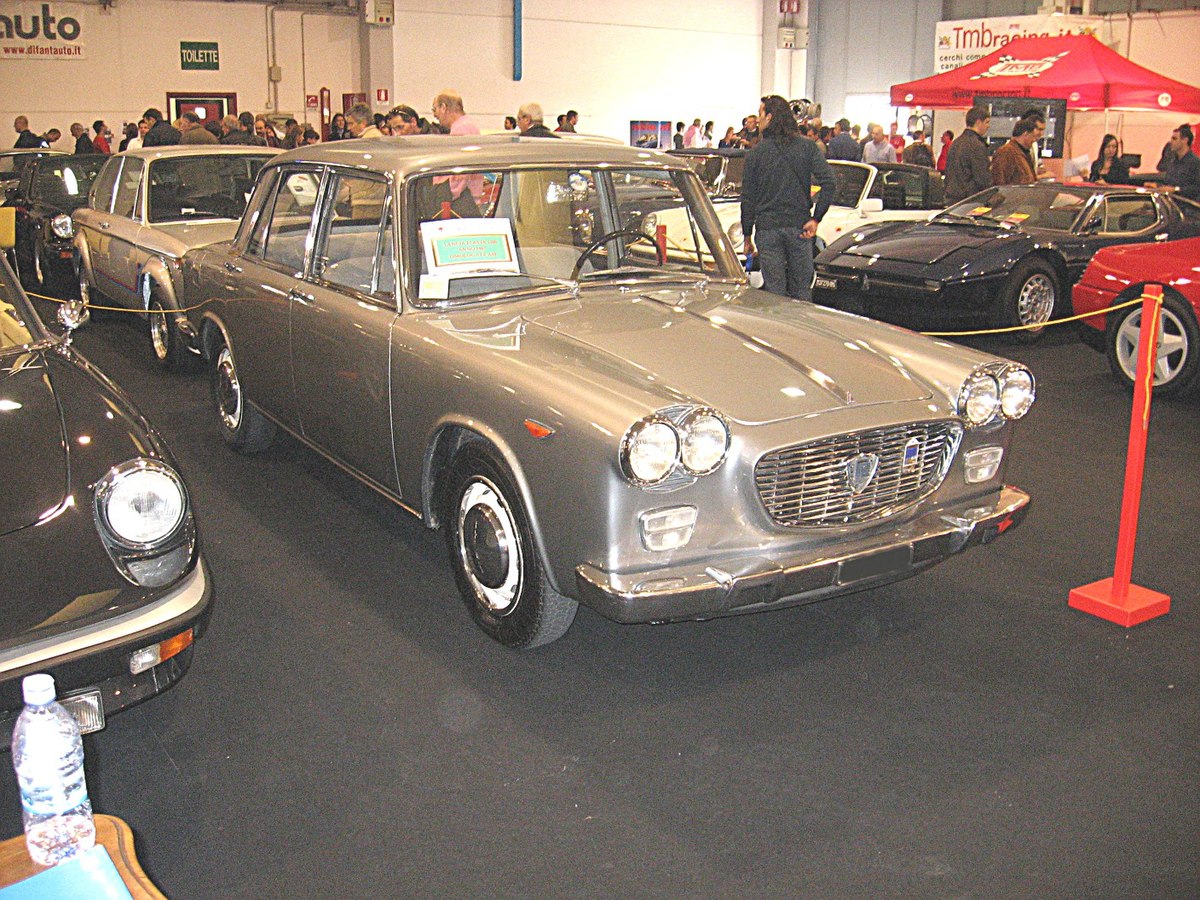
(667,529)
(982,464)
(149,657)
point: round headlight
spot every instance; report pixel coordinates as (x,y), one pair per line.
(649,223)
(704,441)
(979,399)
(141,503)
(62,226)
(1016,392)
(736,235)
(650,450)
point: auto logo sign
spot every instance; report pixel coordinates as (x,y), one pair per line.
(912,454)
(1011,67)
(859,472)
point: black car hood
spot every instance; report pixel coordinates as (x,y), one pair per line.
(32,443)
(923,243)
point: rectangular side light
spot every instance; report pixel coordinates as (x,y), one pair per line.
(667,529)
(149,657)
(982,463)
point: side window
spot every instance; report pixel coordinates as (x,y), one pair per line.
(260,202)
(1128,215)
(282,236)
(124,203)
(355,235)
(1189,209)
(106,184)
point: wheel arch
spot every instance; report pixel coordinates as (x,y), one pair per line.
(213,333)
(155,278)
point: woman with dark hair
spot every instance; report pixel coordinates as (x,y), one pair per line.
(130,131)
(777,214)
(337,128)
(947,140)
(510,123)
(1108,167)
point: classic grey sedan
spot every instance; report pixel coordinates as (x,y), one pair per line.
(145,209)
(482,332)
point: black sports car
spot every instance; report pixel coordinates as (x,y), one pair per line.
(13,162)
(101,579)
(1005,256)
(50,189)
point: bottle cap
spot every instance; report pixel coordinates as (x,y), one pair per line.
(38,689)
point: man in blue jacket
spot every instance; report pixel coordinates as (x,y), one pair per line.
(777,200)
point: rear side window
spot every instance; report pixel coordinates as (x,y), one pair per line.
(106,183)
(1128,215)
(125,201)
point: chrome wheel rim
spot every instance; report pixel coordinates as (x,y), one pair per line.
(159,334)
(38,277)
(85,289)
(489,548)
(1035,302)
(1170,350)
(229,392)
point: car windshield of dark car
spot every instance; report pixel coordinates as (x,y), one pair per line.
(850,183)
(722,175)
(201,187)
(19,324)
(1022,206)
(65,184)
(478,233)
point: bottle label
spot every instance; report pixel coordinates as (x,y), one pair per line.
(53,799)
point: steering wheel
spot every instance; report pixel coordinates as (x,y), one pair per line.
(633,233)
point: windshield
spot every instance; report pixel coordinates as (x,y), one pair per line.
(850,183)
(479,233)
(722,175)
(1022,206)
(19,324)
(64,182)
(202,187)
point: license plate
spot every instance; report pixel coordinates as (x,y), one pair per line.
(828,284)
(888,562)
(87,709)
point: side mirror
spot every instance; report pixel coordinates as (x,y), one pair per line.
(72,315)
(872,205)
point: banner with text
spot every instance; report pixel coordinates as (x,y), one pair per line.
(963,41)
(31,31)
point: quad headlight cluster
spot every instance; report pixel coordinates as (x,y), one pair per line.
(658,445)
(144,519)
(992,392)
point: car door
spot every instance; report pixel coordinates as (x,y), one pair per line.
(93,221)
(1117,219)
(259,284)
(341,320)
(118,262)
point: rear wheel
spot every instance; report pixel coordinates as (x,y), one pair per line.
(1176,354)
(1028,299)
(242,426)
(495,561)
(166,342)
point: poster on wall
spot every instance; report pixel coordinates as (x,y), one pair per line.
(32,31)
(650,134)
(963,41)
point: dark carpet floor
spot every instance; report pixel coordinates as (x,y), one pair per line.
(345,731)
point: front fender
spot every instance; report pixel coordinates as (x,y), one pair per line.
(156,279)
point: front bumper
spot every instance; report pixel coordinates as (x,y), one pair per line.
(728,587)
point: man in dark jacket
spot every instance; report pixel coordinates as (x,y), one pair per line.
(777,200)
(967,163)
(161,133)
(1183,170)
(842,145)
(26,139)
(83,143)
(530,119)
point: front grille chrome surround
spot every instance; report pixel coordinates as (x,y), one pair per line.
(808,485)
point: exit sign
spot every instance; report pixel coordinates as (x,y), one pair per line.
(199,55)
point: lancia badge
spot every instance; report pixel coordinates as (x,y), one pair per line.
(912,454)
(859,471)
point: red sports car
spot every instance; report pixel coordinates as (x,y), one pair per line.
(1116,274)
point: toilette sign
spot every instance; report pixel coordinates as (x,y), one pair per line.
(199,55)
(43,30)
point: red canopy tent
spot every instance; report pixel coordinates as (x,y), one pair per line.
(1076,68)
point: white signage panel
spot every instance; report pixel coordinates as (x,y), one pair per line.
(963,41)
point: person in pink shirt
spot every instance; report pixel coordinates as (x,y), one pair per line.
(448,110)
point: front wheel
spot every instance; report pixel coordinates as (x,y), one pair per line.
(1176,353)
(243,427)
(494,558)
(1028,299)
(166,343)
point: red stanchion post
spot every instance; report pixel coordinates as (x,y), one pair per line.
(660,242)
(1117,599)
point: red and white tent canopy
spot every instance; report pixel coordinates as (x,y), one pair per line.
(1076,68)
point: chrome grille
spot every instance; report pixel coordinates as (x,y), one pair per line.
(808,484)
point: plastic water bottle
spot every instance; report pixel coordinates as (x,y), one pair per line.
(47,753)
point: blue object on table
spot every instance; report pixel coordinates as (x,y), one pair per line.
(89,876)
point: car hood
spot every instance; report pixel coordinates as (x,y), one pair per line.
(32,443)
(756,357)
(922,243)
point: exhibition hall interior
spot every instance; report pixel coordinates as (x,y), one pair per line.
(547,449)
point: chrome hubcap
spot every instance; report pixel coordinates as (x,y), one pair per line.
(85,289)
(229,392)
(1035,303)
(1170,350)
(159,337)
(488,546)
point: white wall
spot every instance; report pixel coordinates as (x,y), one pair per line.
(132,60)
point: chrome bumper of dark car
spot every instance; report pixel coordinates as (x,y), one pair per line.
(751,584)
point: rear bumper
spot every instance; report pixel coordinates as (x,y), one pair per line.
(756,583)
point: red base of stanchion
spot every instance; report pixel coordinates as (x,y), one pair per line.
(1139,604)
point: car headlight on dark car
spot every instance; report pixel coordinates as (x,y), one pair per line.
(62,226)
(144,519)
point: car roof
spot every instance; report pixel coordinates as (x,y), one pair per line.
(176,150)
(25,151)
(420,153)
(709,151)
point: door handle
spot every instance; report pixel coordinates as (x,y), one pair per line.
(105,225)
(301,297)
(232,267)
